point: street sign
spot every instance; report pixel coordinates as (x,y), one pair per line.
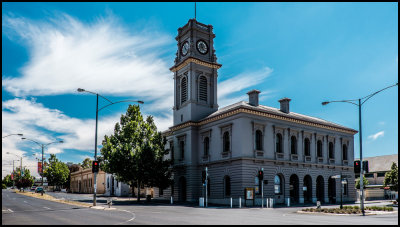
(336,176)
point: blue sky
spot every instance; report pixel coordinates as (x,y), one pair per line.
(309,52)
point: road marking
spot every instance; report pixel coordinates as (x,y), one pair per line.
(25,202)
(133,214)
(47,208)
(10,210)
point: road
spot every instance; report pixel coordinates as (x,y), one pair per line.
(24,210)
(36,211)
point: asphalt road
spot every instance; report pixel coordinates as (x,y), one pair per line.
(24,210)
(28,210)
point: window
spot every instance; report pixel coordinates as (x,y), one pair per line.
(380,174)
(319,148)
(182,146)
(344,152)
(183,90)
(258,140)
(278,185)
(108,182)
(206,146)
(307,147)
(226,142)
(278,143)
(331,152)
(203,89)
(293,143)
(227,185)
(161,191)
(369,175)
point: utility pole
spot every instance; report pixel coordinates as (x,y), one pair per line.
(206,186)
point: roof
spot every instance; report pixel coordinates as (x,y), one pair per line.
(381,163)
(276,111)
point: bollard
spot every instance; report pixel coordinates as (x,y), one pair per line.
(172,200)
(272,203)
(240,202)
(231,202)
(288,202)
(267,202)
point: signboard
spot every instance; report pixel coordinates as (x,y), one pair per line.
(39,167)
(336,176)
(249,193)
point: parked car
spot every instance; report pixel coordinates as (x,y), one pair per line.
(39,189)
(33,188)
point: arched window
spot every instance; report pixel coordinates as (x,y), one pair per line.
(258,140)
(206,146)
(344,152)
(319,148)
(307,147)
(227,186)
(331,152)
(279,143)
(203,88)
(278,184)
(182,146)
(183,90)
(293,145)
(226,142)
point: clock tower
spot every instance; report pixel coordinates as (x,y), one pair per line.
(195,73)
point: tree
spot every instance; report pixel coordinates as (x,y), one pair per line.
(7,181)
(57,173)
(87,163)
(365,182)
(23,181)
(136,151)
(392,178)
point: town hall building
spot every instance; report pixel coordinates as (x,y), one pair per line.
(299,154)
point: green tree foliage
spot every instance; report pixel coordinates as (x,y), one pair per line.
(7,181)
(87,163)
(57,172)
(365,182)
(24,180)
(392,178)
(136,151)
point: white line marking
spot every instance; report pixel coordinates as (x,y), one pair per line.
(47,208)
(133,214)
(25,202)
(10,210)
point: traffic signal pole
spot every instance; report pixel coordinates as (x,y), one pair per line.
(206,187)
(361,165)
(95,151)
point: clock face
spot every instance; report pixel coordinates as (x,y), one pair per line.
(185,48)
(202,47)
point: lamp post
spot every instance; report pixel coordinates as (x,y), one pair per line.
(19,134)
(361,101)
(42,146)
(95,139)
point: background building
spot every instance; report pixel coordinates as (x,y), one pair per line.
(378,167)
(82,181)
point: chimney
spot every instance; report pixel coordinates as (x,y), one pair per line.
(285,105)
(253,97)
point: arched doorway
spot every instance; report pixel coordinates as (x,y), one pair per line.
(279,190)
(320,189)
(332,190)
(182,189)
(294,189)
(307,183)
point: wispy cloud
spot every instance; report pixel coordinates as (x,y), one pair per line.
(376,135)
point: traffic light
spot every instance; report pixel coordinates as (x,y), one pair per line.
(95,167)
(203,176)
(365,166)
(260,174)
(357,166)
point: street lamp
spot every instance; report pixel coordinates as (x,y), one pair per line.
(19,134)
(95,139)
(42,146)
(360,135)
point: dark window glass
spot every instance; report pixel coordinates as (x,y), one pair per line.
(227,186)
(319,148)
(226,142)
(182,144)
(369,175)
(344,152)
(279,143)
(331,151)
(380,174)
(307,147)
(206,146)
(258,140)
(293,146)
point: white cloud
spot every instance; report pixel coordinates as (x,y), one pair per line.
(377,135)
(101,57)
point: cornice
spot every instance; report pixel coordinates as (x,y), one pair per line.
(197,61)
(257,113)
